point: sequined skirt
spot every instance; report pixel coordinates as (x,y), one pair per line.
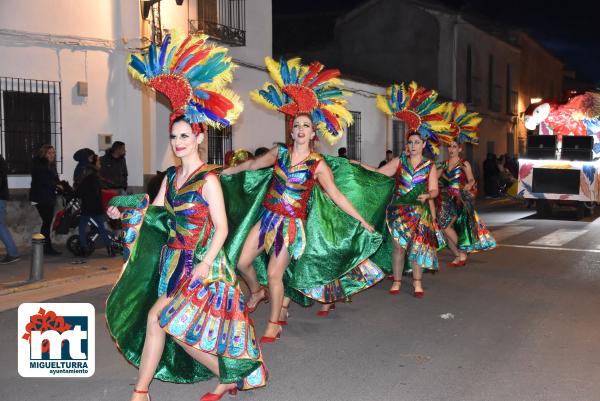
(213,318)
(413,228)
(277,231)
(472,234)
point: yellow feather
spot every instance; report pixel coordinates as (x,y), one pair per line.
(254,95)
(273,67)
(382,103)
(133,72)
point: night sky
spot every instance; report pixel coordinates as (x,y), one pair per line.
(570,33)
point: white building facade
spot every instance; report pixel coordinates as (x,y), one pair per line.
(64,68)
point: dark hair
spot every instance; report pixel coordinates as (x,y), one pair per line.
(260,151)
(90,169)
(117,145)
(389,152)
(43,151)
(342,151)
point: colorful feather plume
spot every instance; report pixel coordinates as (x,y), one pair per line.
(464,126)
(419,110)
(306,89)
(193,76)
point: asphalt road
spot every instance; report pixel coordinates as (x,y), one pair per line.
(524,325)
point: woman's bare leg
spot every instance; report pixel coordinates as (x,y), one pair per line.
(284,314)
(417,277)
(249,252)
(397,265)
(277,266)
(154,344)
(453,242)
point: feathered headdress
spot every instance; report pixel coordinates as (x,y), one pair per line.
(306,89)
(419,110)
(464,126)
(193,76)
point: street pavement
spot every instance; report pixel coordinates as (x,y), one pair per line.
(519,323)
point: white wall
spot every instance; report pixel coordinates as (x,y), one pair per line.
(85,44)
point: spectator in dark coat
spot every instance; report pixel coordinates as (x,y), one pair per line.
(490,175)
(113,168)
(44,182)
(12,254)
(89,191)
(153,186)
(83,157)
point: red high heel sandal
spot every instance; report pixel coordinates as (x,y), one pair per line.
(216,397)
(264,298)
(418,294)
(457,264)
(267,339)
(142,392)
(325,313)
(287,315)
(395,292)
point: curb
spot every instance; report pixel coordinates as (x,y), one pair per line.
(50,283)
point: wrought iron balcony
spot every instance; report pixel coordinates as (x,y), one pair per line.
(222,20)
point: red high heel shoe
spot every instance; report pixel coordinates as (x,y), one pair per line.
(287,315)
(216,397)
(267,339)
(325,313)
(395,292)
(264,298)
(457,264)
(418,294)
(142,392)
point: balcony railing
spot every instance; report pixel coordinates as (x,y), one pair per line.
(222,20)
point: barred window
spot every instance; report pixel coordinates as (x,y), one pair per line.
(219,143)
(353,139)
(30,116)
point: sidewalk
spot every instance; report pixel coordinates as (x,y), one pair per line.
(63,275)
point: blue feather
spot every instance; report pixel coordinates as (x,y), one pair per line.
(182,63)
(152,59)
(201,94)
(138,65)
(285,73)
(163,52)
(170,57)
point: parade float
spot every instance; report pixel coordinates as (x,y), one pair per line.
(562,165)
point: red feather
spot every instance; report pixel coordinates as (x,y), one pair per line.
(199,56)
(219,104)
(182,57)
(329,116)
(325,76)
(313,70)
(183,45)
